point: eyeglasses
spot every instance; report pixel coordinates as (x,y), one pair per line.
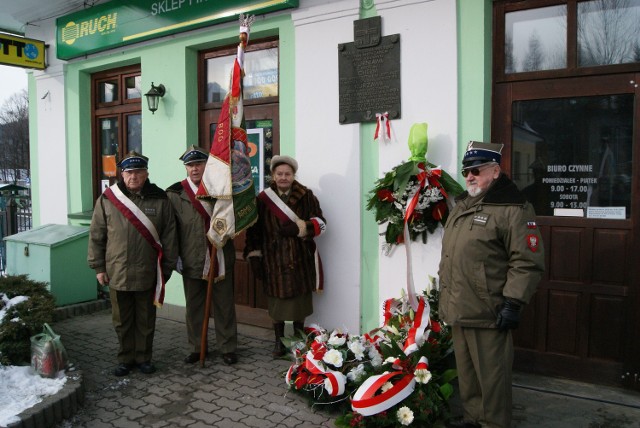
(473,171)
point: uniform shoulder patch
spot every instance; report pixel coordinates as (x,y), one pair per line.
(533,242)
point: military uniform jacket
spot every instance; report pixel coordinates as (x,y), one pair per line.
(491,250)
(289,262)
(191,233)
(117,248)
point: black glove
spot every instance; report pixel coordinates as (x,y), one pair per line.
(289,229)
(509,315)
(256,267)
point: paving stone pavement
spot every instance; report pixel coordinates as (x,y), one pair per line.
(251,393)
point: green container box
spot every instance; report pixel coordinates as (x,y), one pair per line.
(55,254)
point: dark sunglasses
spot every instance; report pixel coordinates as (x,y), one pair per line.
(473,171)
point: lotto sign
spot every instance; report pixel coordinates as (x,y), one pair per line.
(21,52)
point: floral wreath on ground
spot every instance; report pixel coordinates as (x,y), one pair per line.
(393,376)
(414,193)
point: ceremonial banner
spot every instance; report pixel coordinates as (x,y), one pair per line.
(227,176)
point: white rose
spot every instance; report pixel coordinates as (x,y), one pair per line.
(376,358)
(357,348)
(356,373)
(336,340)
(333,357)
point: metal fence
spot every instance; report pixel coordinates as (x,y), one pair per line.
(15,217)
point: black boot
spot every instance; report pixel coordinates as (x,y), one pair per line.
(298,328)
(278,350)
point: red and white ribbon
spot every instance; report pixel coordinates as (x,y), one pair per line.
(335,381)
(425,175)
(367,403)
(423,364)
(285,214)
(383,127)
(420,324)
(391,307)
(147,229)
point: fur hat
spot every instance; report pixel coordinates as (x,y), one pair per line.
(279,160)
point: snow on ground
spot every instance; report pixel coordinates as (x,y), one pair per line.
(22,388)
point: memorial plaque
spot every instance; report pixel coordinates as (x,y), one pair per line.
(369,71)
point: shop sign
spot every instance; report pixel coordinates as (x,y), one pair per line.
(121,22)
(22,52)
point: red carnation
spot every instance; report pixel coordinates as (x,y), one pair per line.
(435,326)
(385,195)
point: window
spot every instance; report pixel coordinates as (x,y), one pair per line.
(564,76)
(260,89)
(574,153)
(536,39)
(117,122)
(260,79)
(608,32)
(556,38)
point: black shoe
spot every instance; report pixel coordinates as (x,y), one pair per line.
(147,367)
(123,369)
(461,423)
(230,358)
(279,350)
(194,357)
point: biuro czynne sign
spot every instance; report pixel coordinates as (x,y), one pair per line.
(122,22)
(21,52)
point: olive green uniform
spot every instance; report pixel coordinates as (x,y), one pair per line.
(193,252)
(117,248)
(491,250)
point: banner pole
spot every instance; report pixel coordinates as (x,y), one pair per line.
(207,305)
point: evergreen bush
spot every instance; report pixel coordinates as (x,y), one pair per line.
(22,320)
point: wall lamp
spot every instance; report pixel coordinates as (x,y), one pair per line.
(153,96)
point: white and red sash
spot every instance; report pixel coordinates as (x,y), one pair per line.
(282,211)
(146,228)
(205,210)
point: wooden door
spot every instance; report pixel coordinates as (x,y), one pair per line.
(263,133)
(572,146)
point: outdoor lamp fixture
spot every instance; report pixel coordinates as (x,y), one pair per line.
(153,96)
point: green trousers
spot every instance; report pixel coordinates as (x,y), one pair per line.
(222,302)
(134,319)
(484,360)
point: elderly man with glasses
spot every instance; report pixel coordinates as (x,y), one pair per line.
(492,261)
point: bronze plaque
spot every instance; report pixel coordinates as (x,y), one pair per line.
(369,71)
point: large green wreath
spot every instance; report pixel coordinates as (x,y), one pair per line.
(390,195)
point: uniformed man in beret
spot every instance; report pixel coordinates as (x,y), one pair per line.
(492,261)
(133,248)
(193,216)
